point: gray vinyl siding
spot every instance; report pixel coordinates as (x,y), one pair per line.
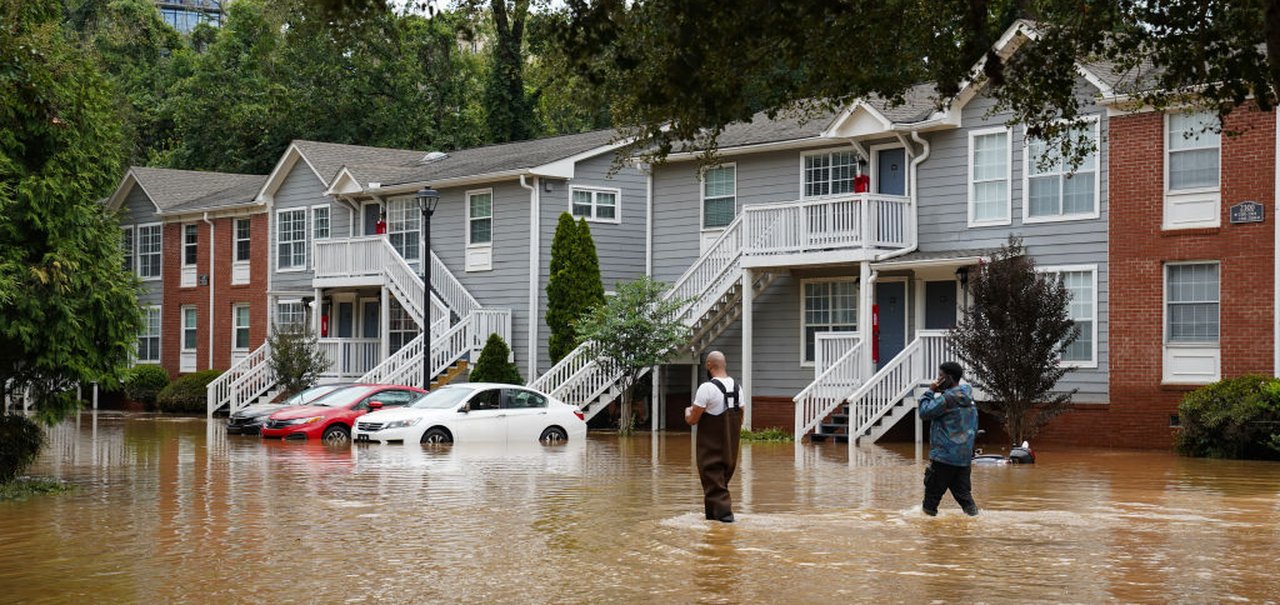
(506,286)
(137,209)
(943,220)
(301,189)
(619,246)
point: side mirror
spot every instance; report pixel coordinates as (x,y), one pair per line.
(466,407)
(375,405)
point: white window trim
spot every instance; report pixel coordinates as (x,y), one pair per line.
(873,169)
(593,190)
(1093,271)
(133,247)
(1213,194)
(159,337)
(1008,176)
(235,240)
(311,231)
(137,256)
(185,244)
(827,151)
(702,197)
(234,326)
(275,252)
(1097,182)
(182,316)
(857,313)
(1214,348)
(467,196)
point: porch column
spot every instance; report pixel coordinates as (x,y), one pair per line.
(748,301)
(653,398)
(384,321)
(95,395)
(867,294)
(317,311)
(920,301)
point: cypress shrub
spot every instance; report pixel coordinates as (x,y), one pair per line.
(187,394)
(1233,418)
(20,441)
(493,365)
(573,285)
(143,384)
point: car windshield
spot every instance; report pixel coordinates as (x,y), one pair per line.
(311,394)
(341,398)
(443,398)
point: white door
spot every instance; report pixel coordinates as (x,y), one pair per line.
(526,415)
(485,420)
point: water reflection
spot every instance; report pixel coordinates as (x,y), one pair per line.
(172,510)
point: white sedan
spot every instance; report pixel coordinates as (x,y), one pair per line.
(476,412)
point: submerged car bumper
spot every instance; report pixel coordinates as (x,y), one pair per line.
(374,432)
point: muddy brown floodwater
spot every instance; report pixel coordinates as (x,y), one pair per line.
(170,512)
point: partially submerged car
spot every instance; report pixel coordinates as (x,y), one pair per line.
(476,412)
(249,419)
(331,417)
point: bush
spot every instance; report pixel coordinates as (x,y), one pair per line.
(1232,418)
(494,366)
(144,382)
(188,393)
(296,358)
(773,434)
(20,441)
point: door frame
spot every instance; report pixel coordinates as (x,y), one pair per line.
(873,166)
(361,301)
(363,216)
(906,305)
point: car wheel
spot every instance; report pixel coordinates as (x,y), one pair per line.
(437,436)
(336,435)
(554,434)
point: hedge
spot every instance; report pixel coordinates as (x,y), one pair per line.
(187,394)
(20,441)
(1232,418)
(143,384)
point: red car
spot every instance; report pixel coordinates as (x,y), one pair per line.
(331,417)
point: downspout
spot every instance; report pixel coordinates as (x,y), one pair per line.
(535,199)
(648,219)
(212,285)
(913,189)
(1275,301)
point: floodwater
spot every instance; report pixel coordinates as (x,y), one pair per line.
(170,512)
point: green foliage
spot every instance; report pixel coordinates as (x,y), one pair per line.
(636,329)
(143,383)
(1011,339)
(23,487)
(188,393)
(1233,418)
(20,442)
(508,109)
(70,309)
(494,364)
(574,284)
(296,358)
(769,435)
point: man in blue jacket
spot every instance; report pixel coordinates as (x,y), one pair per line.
(954,423)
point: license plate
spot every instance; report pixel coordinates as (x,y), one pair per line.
(362,437)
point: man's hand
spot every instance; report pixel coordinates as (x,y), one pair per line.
(936,387)
(692,414)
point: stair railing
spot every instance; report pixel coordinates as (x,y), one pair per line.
(917,364)
(219,393)
(828,391)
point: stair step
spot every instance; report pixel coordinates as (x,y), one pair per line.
(819,438)
(842,419)
(832,429)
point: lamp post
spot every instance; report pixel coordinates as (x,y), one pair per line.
(427,199)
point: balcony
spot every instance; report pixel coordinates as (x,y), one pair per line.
(837,229)
(357,261)
(350,358)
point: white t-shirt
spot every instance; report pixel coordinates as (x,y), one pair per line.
(709,397)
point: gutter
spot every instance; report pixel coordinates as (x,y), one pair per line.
(913,188)
(535,202)
(1275,302)
(648,219)
(212,285)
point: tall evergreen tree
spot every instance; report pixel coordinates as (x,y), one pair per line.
(573,285)
(508,109)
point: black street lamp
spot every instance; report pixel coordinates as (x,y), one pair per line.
(427,199)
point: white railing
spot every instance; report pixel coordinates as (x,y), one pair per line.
(917,364)
(252,384)
(450,289)
(830,346)
(449,344)
(484,322)
(218,393)
(855,221)
(829,389)
(374,256)
(399,367)
(350,357)
(351,257)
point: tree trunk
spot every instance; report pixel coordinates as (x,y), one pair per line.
(624,414)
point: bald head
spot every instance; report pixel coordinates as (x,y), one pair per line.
(715,362)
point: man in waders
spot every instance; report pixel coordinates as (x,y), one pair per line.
(717,412)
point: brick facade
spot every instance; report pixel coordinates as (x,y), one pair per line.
(226,295)
(1140,407)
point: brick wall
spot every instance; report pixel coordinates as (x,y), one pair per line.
(1140,406)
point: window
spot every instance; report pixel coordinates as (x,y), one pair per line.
(320,222)
(828,306)
(1191,303)
(126,247)
(1194,149)
(1081,284)
(291,314)
(240,328)
(989,177)
(189,330)
(594,204)
(149,248)
(1051,190)
(479,217)
(719,196)
(519,398)
(486,400)
(149,338)
(828,173)
(242,240)
(190,244)
(404,226)
(291,239)
(403,328)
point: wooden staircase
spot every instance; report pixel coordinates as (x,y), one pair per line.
(450,373)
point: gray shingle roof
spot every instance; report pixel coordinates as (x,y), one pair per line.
(918,103)
(937,256)
(173,189)
(492,159)
(1139,78)
(329,158)
(760,129)
(243,194)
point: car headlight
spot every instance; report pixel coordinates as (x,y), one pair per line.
(399,424)
(309,420)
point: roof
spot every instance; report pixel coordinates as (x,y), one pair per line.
(936,258)
(918,103)
(761,129)
(329,158)
(489,159)
(184,190)
(1139,78)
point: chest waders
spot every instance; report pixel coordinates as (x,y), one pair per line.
(717,451)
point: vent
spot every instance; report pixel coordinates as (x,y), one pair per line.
(434,156)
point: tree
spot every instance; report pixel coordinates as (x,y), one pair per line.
(573,285)
(68,309)
(1012,338)
(508,111)
(495,363)
(633,331)
(296,358)
(679,72)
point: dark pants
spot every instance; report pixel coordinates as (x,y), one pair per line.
(938,478)
(718,459)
